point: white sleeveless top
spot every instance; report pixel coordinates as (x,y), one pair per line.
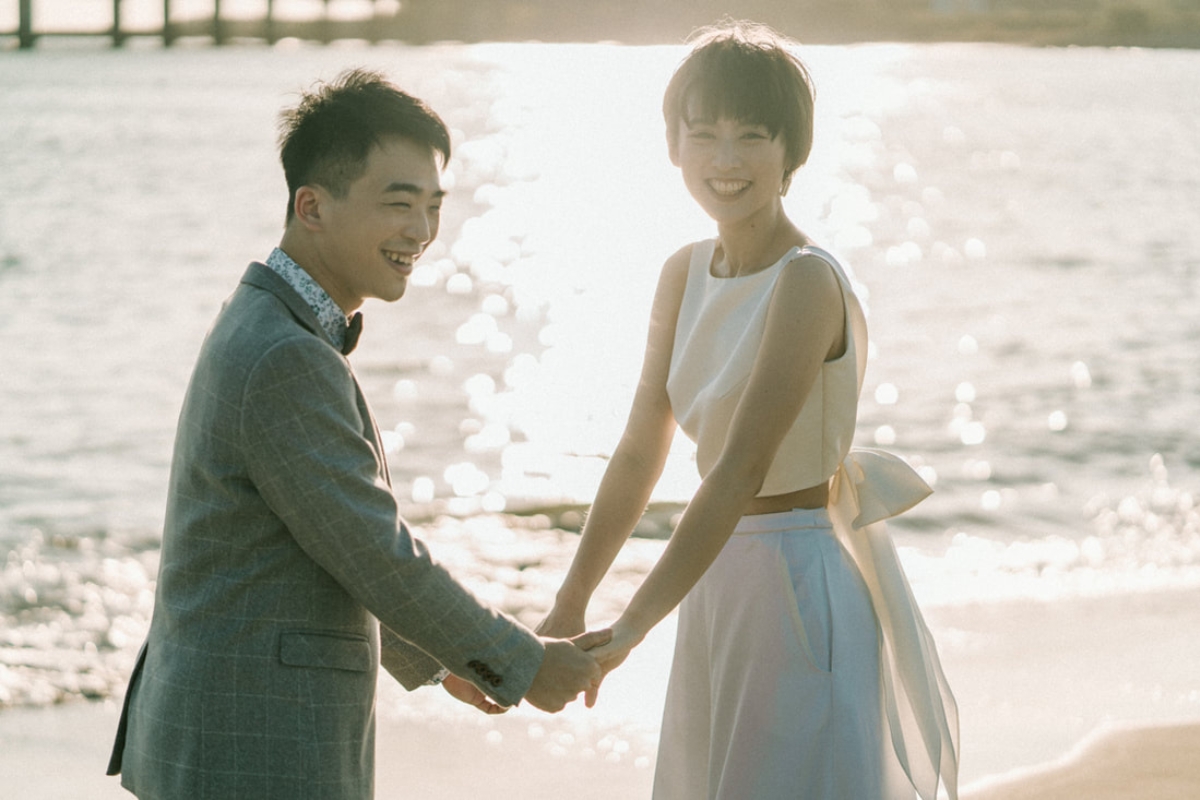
(717,339)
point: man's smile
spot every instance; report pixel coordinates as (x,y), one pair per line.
(402,260)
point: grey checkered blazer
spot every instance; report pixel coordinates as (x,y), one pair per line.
(283,552)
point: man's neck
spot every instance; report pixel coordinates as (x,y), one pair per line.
(302,250)
(330,316)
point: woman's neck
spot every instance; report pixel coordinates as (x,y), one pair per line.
(754,244)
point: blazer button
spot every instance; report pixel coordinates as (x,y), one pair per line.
(496,680)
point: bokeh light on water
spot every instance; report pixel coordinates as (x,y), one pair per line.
(1032,348)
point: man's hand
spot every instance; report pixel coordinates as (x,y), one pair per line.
(470,694)
(566,671)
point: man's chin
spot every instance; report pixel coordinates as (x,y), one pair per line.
(396,291)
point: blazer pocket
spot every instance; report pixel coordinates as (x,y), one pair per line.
(325,651)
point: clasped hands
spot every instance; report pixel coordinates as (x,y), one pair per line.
(608,646)
(575,661)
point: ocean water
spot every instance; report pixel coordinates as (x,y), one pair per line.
(1021,222)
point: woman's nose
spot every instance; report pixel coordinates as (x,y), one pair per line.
(726,155)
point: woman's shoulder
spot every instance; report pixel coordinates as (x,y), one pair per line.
(810,275)
(679,264)
(680,258)
(675,278)
(690,253)
(810,258)
(813,252)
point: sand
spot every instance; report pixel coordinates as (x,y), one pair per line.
(1096,698)
(1121,762)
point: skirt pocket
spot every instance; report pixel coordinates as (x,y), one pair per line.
(805,589)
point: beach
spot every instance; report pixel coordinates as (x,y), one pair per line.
(1034,682)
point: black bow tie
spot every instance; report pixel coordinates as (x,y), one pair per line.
(353,331)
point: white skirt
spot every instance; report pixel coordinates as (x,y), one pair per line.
(775,686)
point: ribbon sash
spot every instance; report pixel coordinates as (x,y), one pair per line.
(869,487)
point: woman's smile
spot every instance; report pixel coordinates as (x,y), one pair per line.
(727,188)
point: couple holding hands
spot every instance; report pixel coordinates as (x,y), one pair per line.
(802,666)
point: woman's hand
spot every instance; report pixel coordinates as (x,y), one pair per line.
(625,637)
(561,623)
(469,693)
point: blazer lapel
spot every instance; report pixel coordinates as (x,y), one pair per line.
(263,277)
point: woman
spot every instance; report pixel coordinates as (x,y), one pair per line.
(802,667)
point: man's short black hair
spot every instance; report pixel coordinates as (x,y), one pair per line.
(326,138)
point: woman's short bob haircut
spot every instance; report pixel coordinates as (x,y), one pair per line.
(746,72)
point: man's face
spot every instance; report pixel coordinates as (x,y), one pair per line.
(387,218)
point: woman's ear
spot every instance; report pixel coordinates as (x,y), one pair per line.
(307,207)
(673,146)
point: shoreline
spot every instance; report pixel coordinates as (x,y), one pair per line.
(61,751)
(1055,699)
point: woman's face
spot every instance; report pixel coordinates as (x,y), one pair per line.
(733,169)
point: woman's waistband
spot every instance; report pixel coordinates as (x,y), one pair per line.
(796,519)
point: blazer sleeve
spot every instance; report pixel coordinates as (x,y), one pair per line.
(406,662)
(304,434)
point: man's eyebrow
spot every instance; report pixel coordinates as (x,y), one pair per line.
(410,188)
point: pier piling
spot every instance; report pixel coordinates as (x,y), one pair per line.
(25,24)
(118,35)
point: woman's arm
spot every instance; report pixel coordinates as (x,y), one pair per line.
(804,327)
(635,466)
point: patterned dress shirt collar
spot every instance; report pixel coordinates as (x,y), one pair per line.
(333,320)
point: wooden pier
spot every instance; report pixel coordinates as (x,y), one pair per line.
(1124,23)
(218,29)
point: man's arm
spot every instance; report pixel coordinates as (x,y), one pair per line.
(305,441)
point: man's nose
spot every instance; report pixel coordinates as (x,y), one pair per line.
(421,227)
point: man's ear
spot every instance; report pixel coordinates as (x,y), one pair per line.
(306,208)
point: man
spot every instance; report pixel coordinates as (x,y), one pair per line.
(287,574)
